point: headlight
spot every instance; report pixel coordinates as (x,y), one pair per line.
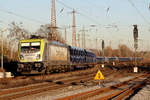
(37,64)
(38,56)
(20,66)
(21,57)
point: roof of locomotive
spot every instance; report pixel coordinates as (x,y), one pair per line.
(31,40)
(39,39)
(53,42)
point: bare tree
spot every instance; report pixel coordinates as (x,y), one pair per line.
(44,31)
(125,51)
(108,51)
(17,32)
(116,52)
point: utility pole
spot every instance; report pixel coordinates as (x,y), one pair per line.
(110,43)
(65,35)
(2,53)
(53,30)
(2,62)
(73,29)
(83,38)
(96,45)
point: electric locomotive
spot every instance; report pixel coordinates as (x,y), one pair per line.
(41,55)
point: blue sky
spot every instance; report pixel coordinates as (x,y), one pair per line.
(122,14)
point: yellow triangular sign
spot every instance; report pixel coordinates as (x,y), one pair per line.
(99,76)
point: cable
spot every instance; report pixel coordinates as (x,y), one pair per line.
(18,15)
(88,18)
(84,15)
(138,11)
(64,4)
(2,23)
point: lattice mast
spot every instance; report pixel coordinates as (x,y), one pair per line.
(73,29)
(79,40)
(83,38)
(53,30)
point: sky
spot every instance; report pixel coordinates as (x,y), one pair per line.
(113,20)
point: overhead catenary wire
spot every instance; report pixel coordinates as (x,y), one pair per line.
(87,16)
(2,23)
(21,16)
(84,15)
(138,11)
(2,20)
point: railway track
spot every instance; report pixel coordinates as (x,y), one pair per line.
(49,85)
(34,89)
(27,80)
(116,92)
(33,79)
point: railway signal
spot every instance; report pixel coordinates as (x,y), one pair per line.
(135,36)
(103,46)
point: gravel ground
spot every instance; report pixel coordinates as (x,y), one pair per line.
(71,90)
(6,83)
(143,94)
(114,77)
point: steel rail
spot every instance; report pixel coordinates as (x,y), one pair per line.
(88,94)
(41,88)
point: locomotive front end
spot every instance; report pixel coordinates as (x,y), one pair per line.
(30,54)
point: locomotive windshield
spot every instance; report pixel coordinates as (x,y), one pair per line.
(30,47)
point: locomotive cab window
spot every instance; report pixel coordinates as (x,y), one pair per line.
(30,47)
(35,46)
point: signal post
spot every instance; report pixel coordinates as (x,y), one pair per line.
(135,35)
